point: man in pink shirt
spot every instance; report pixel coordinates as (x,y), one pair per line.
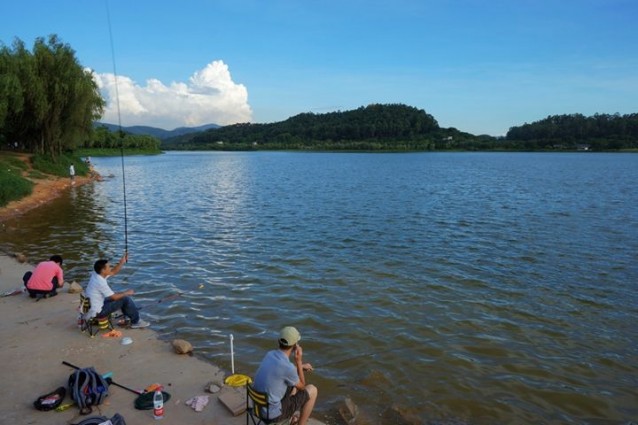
(45,279)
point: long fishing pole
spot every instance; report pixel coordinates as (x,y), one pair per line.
(119,121)
(109,379)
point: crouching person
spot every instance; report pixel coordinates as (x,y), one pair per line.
(45,279)
(104,301)
(284,382)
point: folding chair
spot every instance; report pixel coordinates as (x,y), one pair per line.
(96,324)
(256,404)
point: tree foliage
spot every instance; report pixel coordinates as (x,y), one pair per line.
(48,101)
(600,131)
(103,138)
(399,127)
(373,127)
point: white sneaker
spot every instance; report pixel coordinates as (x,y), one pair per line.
(140,324)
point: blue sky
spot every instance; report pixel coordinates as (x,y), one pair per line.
(480,66)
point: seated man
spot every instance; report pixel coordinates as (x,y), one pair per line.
(284,382)
(45,279)
(104,301)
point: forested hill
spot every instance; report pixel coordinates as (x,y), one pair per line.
(398,127)
(373,127)
(600,131)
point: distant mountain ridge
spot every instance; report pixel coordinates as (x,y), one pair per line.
(160,133)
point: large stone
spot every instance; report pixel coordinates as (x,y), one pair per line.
(212,388)
(349,411)
(75,288)
(182,347)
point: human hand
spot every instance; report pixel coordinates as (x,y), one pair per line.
(307,367)
(298,353)
(129,292)
(124,258)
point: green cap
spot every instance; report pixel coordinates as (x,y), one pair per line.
(289,336)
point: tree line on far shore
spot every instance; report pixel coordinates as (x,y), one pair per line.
(600,131)
(397,127)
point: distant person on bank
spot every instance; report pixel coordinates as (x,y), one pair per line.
(72,172)
(104,301)
(45,279)
(284,382)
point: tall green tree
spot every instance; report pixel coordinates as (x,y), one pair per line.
(52,101)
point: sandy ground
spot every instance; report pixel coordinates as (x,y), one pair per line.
(37,336)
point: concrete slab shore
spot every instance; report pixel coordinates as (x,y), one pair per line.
(37,336)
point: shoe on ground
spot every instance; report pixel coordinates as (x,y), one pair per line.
(140,324)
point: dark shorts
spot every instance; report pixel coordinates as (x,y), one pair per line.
(291,403)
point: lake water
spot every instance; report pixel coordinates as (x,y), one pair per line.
(478,288)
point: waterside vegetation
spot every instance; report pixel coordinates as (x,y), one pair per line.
(48,106)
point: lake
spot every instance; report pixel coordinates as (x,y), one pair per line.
(462,288)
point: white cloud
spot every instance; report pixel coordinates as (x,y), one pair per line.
(209,96)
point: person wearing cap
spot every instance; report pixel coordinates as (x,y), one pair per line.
(284,382)
(104,301)
(45,279)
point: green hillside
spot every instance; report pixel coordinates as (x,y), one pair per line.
(374,127)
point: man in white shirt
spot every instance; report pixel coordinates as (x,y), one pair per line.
(104,301)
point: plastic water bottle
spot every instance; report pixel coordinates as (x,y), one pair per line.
(158,404)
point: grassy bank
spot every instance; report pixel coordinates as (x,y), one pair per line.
(18,172)
(12,185)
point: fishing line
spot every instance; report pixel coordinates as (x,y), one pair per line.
(119,121)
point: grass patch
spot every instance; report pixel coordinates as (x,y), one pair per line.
(35,174)
(12,185)
(59,166)
(13,163)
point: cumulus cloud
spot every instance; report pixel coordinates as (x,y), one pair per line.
(209,96)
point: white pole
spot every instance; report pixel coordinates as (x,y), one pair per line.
(232,355)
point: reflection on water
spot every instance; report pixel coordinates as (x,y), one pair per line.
(462,288)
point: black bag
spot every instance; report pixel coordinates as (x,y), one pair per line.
(145,400)
(117,419)
(50,401)
(87,388)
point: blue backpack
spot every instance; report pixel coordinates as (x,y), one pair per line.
(87,388)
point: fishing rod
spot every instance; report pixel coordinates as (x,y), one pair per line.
(108,379)
(170,297)
(119,121)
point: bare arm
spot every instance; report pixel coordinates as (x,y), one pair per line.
(119,295)
(301,367)
(115,270)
